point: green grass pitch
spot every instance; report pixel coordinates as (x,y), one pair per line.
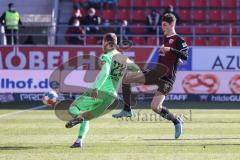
(208,134)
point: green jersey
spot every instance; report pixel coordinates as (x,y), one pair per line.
(112,72)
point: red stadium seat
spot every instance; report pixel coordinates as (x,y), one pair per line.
(230,3)
(185,15)
(124,3)
(139,3)
(154,3)
(227,42)
(138,41)
(139,15)
(199,15)
(83,1)
(200,29)
(185,3)
(137,29)
(214,30)
(79,1)
(184,30)
(91,40)
(188,40)
(215,3)
(227,30)
(200,3)
(108,14)
(123,14)
(98,12)
(75,1)
(200,41)
(214,41)
(230,15)
(166,3)
(233,23)
(215,15)
(151,41)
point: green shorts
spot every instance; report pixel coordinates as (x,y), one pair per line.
(96,107)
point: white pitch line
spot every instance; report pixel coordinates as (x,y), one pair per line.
(22,111)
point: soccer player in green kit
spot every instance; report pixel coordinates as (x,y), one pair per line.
(103,94)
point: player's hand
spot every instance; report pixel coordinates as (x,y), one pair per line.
(164,50)
(94,94)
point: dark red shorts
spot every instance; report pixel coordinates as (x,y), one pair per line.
(153,77)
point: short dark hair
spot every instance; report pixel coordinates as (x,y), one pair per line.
(169,18)
(10,5)
(110,38)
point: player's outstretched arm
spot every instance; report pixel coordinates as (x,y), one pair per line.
(183,54)
(181,50)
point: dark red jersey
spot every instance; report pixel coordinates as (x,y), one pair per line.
(179,50)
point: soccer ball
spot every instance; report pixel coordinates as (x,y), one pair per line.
(50,98)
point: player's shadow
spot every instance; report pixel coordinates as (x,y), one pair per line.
(16,148)
(201,145)
(192,139)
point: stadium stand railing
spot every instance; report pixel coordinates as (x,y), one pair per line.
(196,35)
(202,22)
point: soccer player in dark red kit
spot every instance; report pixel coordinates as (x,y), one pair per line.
(173,50)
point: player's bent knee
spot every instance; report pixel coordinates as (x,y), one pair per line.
(74,111)
(88,115)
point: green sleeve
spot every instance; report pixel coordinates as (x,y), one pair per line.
(102,75)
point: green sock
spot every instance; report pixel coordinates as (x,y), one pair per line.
(84,127)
